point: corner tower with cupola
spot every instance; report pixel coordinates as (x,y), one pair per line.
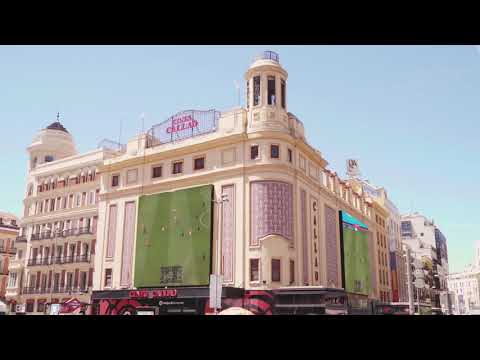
(266,94)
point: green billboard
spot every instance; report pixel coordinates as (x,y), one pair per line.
(174,237)
(355,255)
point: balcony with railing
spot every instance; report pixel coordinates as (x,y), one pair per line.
(8,251)
(56,290)
(62,233)
(21,239)
(60,260)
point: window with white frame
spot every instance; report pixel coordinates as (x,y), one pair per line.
(12,280)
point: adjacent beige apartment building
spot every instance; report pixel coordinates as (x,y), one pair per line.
(56,244)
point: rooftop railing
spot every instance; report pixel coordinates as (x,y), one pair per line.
(267,55)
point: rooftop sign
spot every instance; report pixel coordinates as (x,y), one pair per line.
(183,125)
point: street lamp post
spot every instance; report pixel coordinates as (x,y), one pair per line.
(218,270)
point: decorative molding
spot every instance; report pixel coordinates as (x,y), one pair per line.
(303,215)
(228,234)
(229,156)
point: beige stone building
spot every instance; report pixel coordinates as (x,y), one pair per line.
(56,244)
(280,224)
(8,233)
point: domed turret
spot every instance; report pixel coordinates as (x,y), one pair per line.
(266,93)
(52,143)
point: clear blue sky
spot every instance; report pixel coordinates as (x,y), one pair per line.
(409,113)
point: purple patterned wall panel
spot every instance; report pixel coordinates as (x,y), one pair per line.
(272,210)
(303,214)
(228,233)
(331,245)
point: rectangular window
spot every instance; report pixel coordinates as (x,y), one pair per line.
(290,155)
(254,152)
(115,180)
(29,307)
(271,90)
(108,278)
(177,167)
(256,90)
(157,172)
(292,271)
(274,151)
(254,270)
(275,270)
(199,163)
(282,87)
(12,280)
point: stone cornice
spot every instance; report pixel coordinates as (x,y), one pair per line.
(169,153)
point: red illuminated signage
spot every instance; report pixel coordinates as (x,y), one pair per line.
(163,293)
(182,123)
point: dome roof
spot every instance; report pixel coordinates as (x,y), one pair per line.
(57,126)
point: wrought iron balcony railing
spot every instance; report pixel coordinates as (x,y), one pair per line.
(10,251)
(56,289)
(21,239)
(85,258)
(62,233)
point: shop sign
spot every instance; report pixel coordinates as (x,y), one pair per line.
(163,293)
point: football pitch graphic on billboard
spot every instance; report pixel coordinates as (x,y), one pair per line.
(355,260)
(174,237)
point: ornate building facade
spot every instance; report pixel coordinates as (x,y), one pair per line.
(275,205)
(8,233)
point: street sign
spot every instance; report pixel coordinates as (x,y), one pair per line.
(216,291)
(419,283)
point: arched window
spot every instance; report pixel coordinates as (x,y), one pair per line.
(49,158)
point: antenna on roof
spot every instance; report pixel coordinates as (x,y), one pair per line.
(120,133)
(142,117)
(237,86)
(58,117)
